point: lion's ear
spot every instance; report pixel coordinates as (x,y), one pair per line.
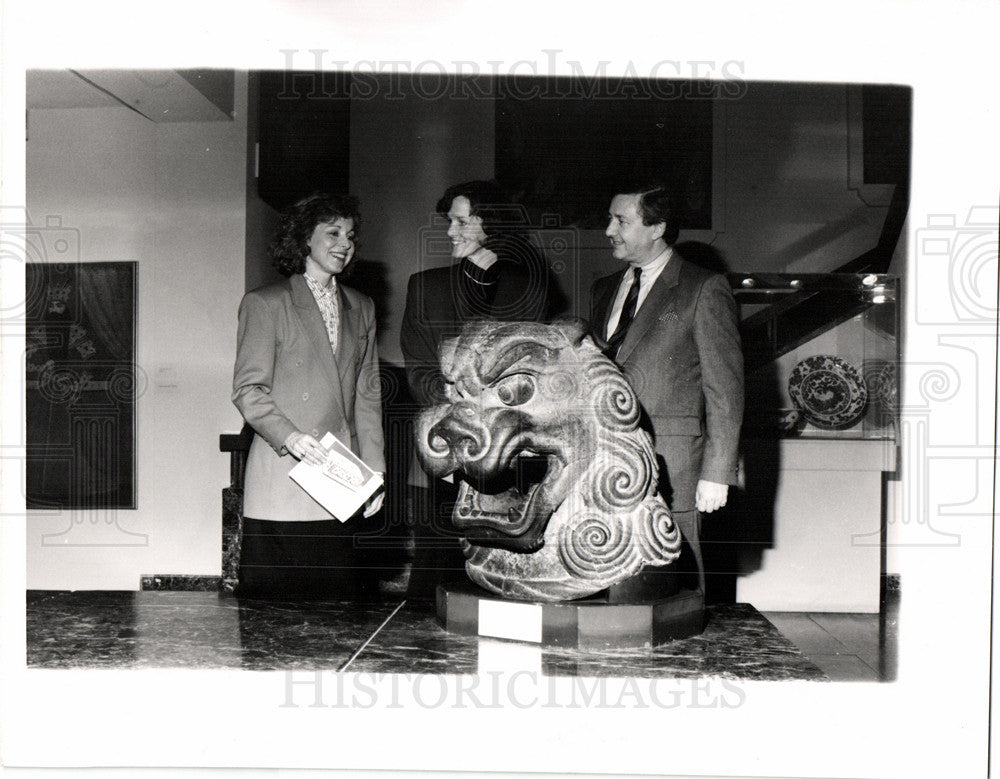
(573,328)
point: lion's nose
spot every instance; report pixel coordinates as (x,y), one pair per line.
(460,432)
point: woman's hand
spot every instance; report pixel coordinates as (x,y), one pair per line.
(303,446)
(374,503)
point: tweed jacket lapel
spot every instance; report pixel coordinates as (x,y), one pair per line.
(659,296)
(312,323)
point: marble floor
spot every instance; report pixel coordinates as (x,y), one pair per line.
(847,647)
(161,629)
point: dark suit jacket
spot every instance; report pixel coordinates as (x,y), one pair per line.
(683,357)
(286,379)
(440,301)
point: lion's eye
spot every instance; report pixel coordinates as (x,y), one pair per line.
(515,390)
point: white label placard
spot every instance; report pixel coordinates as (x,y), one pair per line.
(517,621)
(506,657)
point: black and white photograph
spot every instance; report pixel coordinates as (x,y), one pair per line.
(499,391)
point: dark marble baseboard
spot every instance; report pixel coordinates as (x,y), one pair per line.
(232,532)
(180,583)
(220,630)
(232,535)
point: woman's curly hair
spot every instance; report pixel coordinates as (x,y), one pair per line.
(289,248)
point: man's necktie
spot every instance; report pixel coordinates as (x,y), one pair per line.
(628,313)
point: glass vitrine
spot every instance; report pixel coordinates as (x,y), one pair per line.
(822,354)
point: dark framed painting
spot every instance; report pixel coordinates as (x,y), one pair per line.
(80,385)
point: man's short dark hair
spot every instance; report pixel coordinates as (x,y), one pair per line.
(290,246)
(656,204)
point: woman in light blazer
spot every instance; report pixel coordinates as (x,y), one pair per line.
(306,363)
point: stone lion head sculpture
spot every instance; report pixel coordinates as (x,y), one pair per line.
(557,490)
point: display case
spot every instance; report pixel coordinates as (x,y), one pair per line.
(819,440)
(822,354)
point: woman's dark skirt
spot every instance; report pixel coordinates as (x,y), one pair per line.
(300,559)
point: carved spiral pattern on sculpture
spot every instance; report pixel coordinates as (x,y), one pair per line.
(613,400)
(595,505)
(597,545)
(656,533)
(562,384)
(624,475)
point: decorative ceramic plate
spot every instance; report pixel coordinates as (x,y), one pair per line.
(830,393)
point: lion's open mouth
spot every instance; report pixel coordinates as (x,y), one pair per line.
(510,509)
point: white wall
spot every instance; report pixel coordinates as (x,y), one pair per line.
(172,198)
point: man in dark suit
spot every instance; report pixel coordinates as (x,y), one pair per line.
(497,274)
(672,328)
